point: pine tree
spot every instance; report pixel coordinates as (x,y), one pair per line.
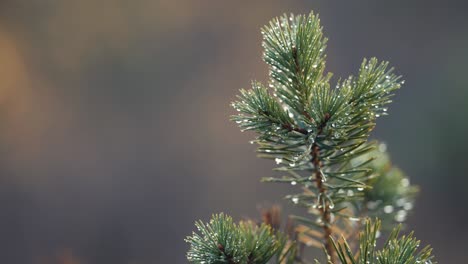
(319,138)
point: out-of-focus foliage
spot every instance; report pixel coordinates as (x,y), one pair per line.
(392,196)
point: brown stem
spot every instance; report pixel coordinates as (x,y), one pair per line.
(297,129)
(229,257)
(324,210)
(287,125)
(296,60)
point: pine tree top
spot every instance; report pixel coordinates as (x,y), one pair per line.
(318,135)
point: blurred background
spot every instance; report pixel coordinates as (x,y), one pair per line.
(114,131)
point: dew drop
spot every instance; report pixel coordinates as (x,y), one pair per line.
(372,205)
(388,209)
(400,202)
(405,182)
(382,147)
(293,183)
(408,206)
(278,160)
(400,216)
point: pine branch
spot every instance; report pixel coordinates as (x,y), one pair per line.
(397,249)
(318,136)
(310,127)
(325,208)
(223,241)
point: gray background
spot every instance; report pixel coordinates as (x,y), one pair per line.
(114,131)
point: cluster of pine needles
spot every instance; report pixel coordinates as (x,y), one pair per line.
(318,135)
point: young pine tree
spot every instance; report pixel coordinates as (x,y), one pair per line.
(318,137)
